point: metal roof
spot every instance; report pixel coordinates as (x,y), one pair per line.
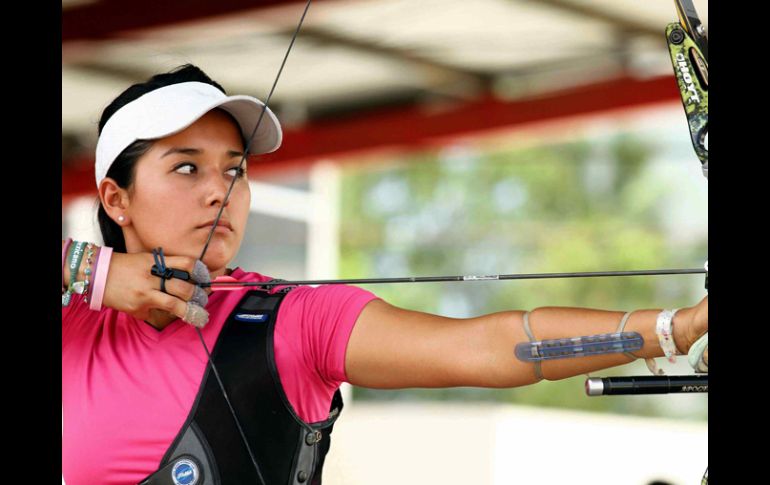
(355,56)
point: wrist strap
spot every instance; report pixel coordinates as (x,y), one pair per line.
(64,259)
(75,258)
(100,278)
(528,331)
(81,287)
(664,328)
(621,327)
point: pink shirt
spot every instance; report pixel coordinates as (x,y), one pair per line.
(127,388)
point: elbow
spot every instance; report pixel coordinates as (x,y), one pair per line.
(495,364)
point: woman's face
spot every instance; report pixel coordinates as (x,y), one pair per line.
(179,186)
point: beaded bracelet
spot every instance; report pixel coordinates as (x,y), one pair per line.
(88,271)
(81,287)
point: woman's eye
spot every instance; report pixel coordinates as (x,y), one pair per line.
(185,168)
(237,172)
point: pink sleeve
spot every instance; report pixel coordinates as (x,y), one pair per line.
(323,319)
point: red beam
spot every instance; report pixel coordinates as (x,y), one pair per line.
(107,18)
(416,127)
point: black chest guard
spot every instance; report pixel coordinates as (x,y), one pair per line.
(209,450)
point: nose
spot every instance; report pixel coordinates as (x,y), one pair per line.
(216,191)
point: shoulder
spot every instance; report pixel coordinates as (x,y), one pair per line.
(315,323)
(241,275)
(331,296)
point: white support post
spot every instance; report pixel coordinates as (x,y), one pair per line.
(323,231)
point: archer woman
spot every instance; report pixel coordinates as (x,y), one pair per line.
(164,382)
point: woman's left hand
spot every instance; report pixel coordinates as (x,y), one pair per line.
(691,324)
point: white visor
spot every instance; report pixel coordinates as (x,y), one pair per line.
(171,109)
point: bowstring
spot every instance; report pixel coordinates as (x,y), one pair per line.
(214,226)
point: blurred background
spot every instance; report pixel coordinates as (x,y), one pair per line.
(436,138)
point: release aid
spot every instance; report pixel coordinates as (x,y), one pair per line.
(566,348)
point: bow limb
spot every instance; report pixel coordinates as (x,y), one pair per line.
(688,46)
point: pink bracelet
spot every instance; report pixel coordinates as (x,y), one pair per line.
(64,257)
(100,278)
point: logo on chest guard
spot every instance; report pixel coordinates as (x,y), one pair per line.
(252,317)
(185,472)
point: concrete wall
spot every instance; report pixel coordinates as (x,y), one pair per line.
(488,444)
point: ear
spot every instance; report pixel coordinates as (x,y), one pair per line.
(115,201)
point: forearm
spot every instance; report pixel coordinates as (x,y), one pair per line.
(506,330)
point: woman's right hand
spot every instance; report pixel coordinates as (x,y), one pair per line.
(132,289)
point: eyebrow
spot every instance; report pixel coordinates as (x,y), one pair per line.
(197,151)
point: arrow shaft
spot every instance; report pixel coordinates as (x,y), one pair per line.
(463,278)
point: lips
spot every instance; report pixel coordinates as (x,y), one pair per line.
(221,224)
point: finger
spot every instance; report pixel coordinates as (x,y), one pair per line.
(168,303)
(697,356)
(201,273)
(183,266)
(197,270)
(196,315)
(189,312)
(187,292)
(184,290)
(200,297)
(175,287)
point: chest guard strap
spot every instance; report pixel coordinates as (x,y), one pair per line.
(209,450)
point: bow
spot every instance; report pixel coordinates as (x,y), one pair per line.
(688,47)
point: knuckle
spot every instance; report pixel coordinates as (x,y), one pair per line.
(180,289)
(168,303)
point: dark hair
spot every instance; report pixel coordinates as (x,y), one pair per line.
(122,169)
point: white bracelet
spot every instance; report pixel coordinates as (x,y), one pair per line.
(665,331)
